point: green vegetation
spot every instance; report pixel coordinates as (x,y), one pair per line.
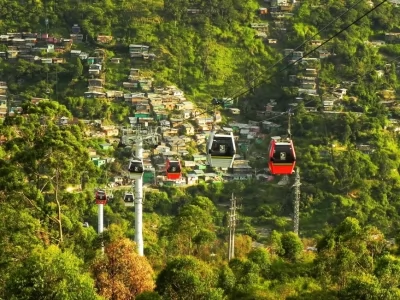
(349,202)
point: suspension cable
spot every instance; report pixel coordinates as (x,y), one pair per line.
(305,55)
(308,40)
(317,47)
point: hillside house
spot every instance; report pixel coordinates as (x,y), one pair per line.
(392,37)
(316,43)
(311,72)
(115,94)
(262,10)
(297,55)
(76,38)
(217,117)
(104,39)
(110,130)
(184,105)
(98,162)
(376,43)
(170,132)
(169,102)
(12,54)
(188,129)
(323,53)
(135,98)
(200,138)
(3,88)
(307,92)
(261,27)
(328,105)
(58,60)
(46,60)
(95,69)
(288,52)
(106,146)
(94,94)
(308,85)
(138,50)
(63,121)
(134,73)
(161,115)
(96,82)
(234,111)
(115,60)
(186,114)
(75,29)
(206,120)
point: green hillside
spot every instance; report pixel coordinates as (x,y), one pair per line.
(271,58)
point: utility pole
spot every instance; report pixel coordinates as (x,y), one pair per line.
(296,202)
(232,228)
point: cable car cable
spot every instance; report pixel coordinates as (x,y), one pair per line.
(310,39)
(317,47)
(306,54)
(279,168)
(312,50)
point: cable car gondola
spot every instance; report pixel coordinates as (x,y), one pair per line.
(282,157)
(101,197)
(221,150)
(135,169)
(129,199)
(173,169)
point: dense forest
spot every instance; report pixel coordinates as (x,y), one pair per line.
(349,160)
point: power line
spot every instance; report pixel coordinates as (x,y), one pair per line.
(311,38)
(316,48)
(305,55)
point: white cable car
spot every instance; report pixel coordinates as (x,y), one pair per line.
(221,150)
(129,199)
(135,169)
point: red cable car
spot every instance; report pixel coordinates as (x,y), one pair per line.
(173,169)
(101,197)
(282,157)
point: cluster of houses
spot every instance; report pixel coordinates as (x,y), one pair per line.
(174,145)
(34,47)
(42,47)
(8,105)
(279,11)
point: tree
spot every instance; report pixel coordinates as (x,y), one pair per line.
(78,68)
(50,274)
(292,246)
(122,274)
(261,257)
(187,278)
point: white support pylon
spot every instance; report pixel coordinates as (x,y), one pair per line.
(100,228)
(139,202)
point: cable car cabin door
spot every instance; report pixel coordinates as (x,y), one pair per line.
(135,169)
(173,170)
(129,200)
(221,151)
(101,198)
(282,159)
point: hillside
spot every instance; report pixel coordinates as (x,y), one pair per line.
(76,74)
